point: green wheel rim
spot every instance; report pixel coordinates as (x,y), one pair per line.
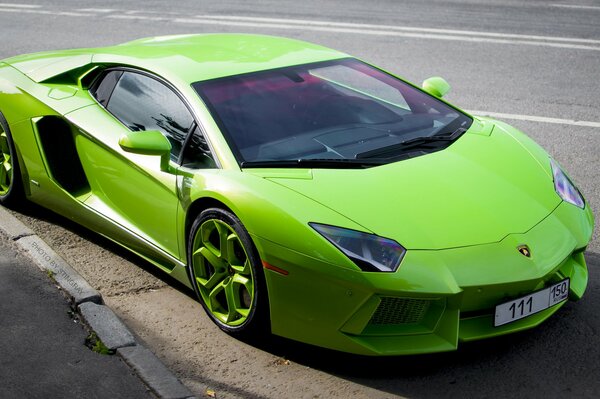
(6,167)
(223,273)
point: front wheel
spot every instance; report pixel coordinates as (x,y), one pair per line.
(226,273)
(11,190)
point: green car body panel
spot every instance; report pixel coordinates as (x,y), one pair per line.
(460,213)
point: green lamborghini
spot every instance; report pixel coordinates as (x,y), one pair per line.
(298,190)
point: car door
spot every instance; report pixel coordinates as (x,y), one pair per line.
(133,190)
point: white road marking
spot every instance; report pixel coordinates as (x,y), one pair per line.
(99,10)
(533,118)
(325,26)
(576,6)
(44,12)
(20,5)
(150,12)
(397,28)
(363,31)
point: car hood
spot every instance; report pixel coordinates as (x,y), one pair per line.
(483,187)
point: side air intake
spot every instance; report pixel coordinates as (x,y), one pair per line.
(57,141)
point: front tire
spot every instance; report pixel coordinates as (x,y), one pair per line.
(226,273)
(11,186)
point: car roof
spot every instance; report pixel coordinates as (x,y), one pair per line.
(208,56)
(183,58)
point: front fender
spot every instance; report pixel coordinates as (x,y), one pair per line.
(268,211)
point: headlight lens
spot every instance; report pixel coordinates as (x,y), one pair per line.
(564,187)
(368,251)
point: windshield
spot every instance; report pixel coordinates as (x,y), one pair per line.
(341,112)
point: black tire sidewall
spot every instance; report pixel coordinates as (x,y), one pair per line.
(257,320)
(14,190)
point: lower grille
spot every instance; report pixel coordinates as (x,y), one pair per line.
(400,311)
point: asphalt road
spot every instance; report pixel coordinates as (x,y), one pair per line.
(42,345)
(534,63)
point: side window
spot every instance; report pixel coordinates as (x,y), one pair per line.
(197,153)
(143,103)
(105,86)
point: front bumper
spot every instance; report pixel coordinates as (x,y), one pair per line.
(436,299)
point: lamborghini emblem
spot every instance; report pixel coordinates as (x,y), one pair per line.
(524,250)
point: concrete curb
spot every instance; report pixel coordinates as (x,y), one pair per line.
(100,318)
(12,227)
(67,278)
(111,331)
(149,368)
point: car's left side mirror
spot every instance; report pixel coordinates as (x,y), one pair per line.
(148,142)
(436,86)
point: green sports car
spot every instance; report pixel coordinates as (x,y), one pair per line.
(298,190)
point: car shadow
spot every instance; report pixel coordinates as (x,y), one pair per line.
(38,212)
(558,358)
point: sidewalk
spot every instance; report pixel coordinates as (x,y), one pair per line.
(42,348)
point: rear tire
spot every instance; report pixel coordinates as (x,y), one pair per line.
(11,186)
(227,274)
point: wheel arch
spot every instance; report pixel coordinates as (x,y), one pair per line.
(196,208)
(21,167)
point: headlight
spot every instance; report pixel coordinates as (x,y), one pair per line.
(564,187)
(368,251)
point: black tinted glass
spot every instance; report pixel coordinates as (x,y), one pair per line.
(143,103)
(343,110)
(197,153)
(104,88)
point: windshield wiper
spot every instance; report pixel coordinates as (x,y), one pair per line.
(417,142)
(324,163)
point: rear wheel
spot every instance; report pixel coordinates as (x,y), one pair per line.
(227,273)
(11,189)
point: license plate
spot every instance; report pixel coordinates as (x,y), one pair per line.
(532,303)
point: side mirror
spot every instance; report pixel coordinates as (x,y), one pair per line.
(436,86)
(149,142)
